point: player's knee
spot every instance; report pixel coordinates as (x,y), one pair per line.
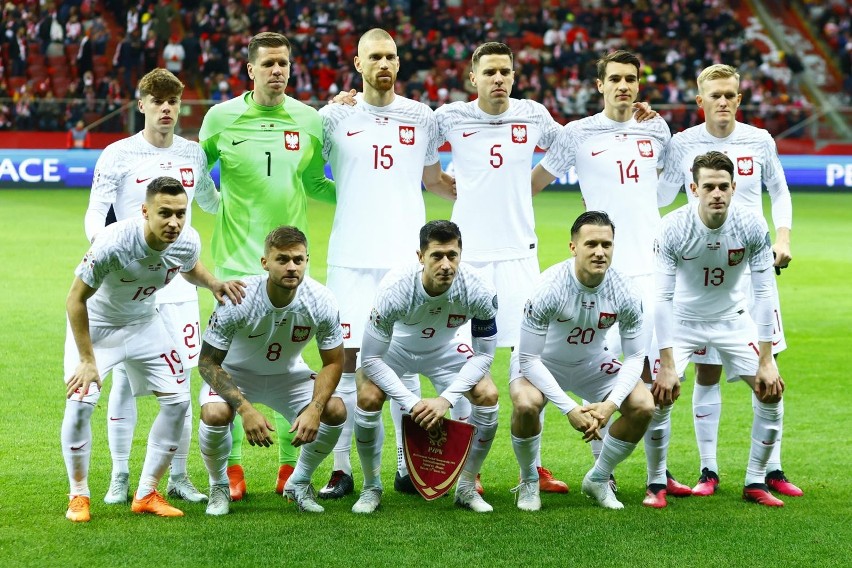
(526,403)
(334,413)
(485,394)
(370,397)
(216,414)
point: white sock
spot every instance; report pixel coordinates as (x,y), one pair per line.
(774,463)
(657,444)
(614,452)
(485,420)
(163,441)
(215,445)
(412,383)
(706,411)
(526,449)
(597,445)
(343,448)
(312,454)
(121,420)
(77,434)
(369,436)
(764,433)
(462,410)
(178,469)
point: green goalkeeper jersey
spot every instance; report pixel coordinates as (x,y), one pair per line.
(270,159)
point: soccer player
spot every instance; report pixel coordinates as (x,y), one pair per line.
(112,319)
(412,329)
(252,352)
(616,159)
(703,251)
(121,176)
(269,147)
(754,153)
(380,150)
(493,140)
(563,347)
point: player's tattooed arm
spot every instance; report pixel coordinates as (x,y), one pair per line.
(256,427)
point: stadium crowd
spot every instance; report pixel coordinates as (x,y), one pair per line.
(72,60)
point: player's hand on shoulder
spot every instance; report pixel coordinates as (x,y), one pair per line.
(344,98)
(84,375)
(643,111)
(235,290)
(666,387)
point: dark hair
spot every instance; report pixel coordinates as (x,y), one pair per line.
(439,231)
(266,39)
(160,83)
(712,160)
(598,218)
(164,184)
(620,56)
(491,48)
(283,237)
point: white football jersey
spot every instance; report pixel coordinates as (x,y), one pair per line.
(617,165)
(709,263)
(756,163)
(264,340)
(405,313)
(127,272)
(576,318)
(377,156)
(492,159)
(126,167)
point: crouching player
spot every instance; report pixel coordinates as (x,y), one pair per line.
(703,251)
(412,329)
(252,354)
(563,348)
(112,319)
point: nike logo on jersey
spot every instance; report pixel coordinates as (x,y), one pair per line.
(466,134)
(181,381)
(80,447)
(354,133)
(237,142)
(123,280)
(142,180)
(193,355)
(690,258)
(598,152)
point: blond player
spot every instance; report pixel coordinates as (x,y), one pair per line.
(704,251)
(412,329)
(755,156)
(121,176)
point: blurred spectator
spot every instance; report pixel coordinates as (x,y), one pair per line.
(222,92)
(192,49)
(173,55)
(78,137)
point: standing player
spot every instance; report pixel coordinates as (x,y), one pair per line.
(754,153)
(269,147)
(379,150)
(563,347)
(616,159)
(412,329)
(122,173)
(493,140)
(703,251)
(252,352)
(112,319)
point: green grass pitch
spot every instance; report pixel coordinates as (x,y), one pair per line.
(41,241)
